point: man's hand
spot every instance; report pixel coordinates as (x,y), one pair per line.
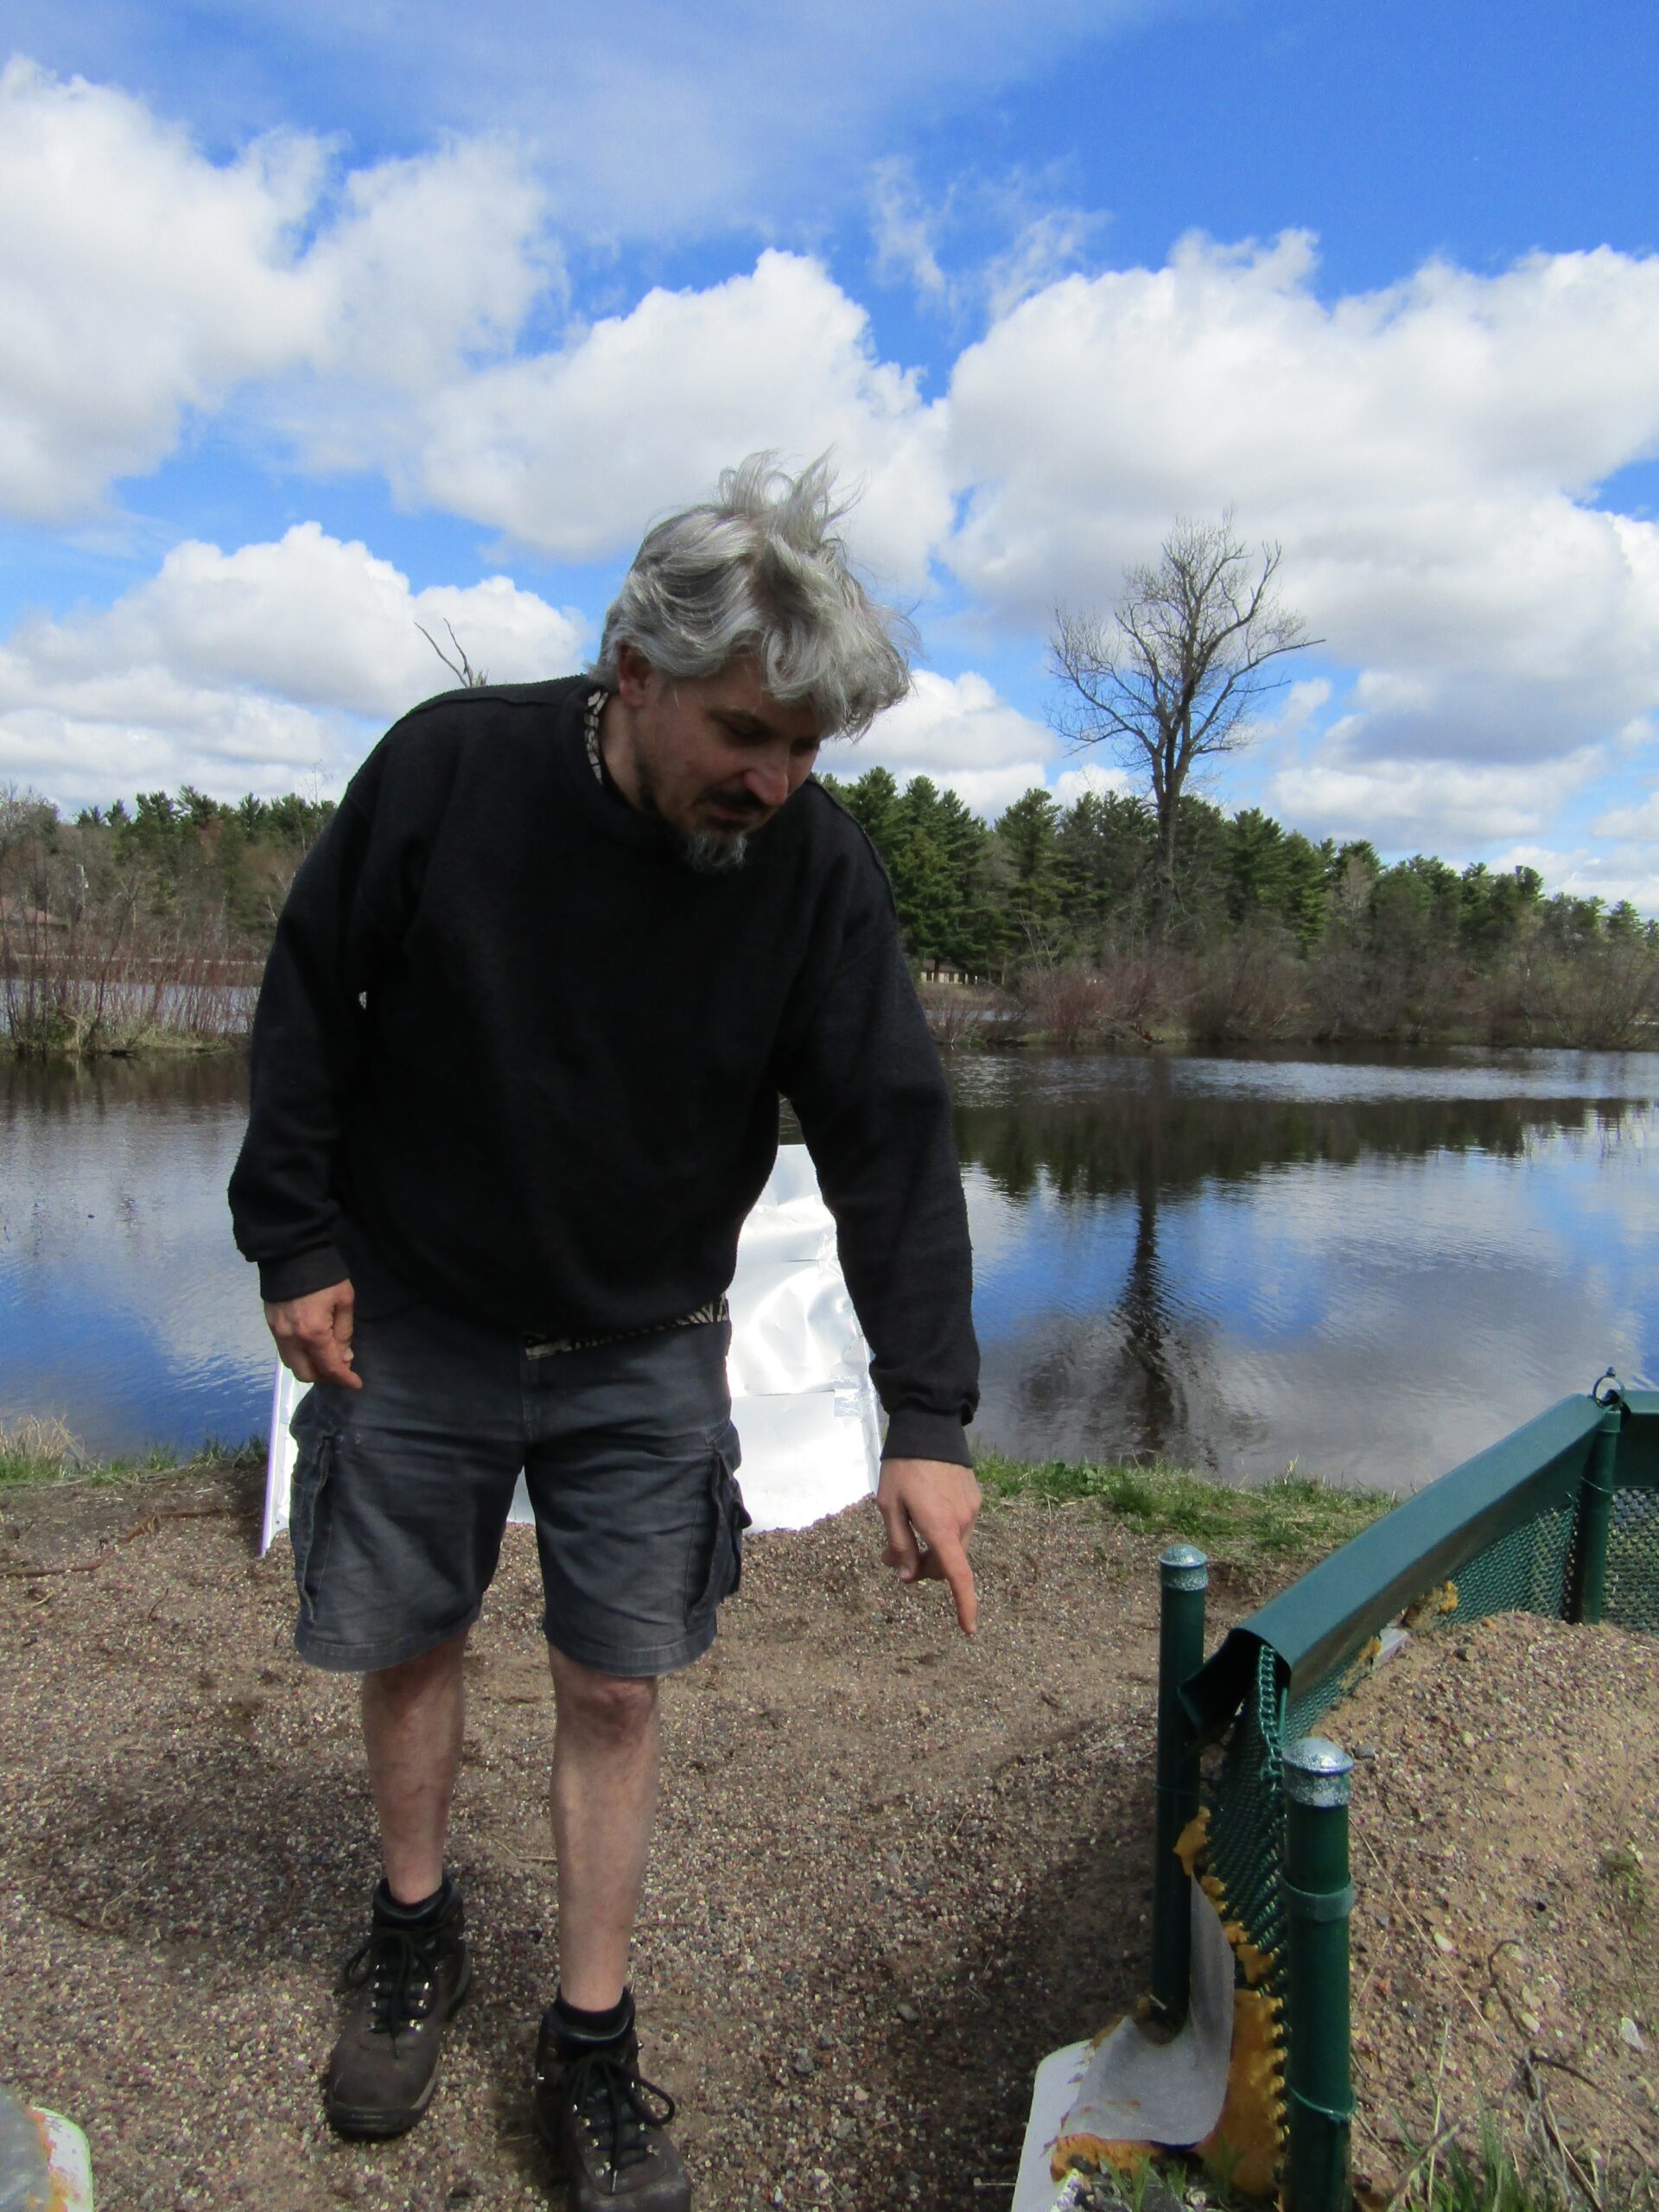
(929,1506)
(314,1335)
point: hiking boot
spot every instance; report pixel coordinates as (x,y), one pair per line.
(606,2127)
(407,1982)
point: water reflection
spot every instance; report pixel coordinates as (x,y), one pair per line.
(1369,1268)
(124,1310)
(1168,1123)
(1370,1265)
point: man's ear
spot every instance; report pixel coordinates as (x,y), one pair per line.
(633,676)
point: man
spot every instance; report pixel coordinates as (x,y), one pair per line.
(531,1005)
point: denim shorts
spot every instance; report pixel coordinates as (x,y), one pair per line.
(401,1489)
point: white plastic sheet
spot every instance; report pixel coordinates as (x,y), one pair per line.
(802,1398)
(1129,2089)
(44,2165)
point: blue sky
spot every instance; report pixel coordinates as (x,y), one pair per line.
(313,328)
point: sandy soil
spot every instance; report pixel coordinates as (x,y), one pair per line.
(893,1868)
(1506,1852)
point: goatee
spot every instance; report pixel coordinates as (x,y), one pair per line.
(714,852)
(708,852)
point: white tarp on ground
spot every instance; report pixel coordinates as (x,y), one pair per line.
(799,1369)
(1129,2088)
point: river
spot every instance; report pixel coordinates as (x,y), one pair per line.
(1367,1265)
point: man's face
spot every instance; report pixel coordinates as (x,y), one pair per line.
(714,757)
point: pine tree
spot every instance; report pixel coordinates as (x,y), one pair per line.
(1026,840)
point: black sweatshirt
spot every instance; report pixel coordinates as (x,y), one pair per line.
(512,1038)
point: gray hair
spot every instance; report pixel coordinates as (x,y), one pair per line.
(760,569)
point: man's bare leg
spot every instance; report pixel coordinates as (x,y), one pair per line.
(412,1718)
(604,1800)
(414,1970)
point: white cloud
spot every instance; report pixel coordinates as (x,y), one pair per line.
(1637,819)
(429,263)
(1045,247)
(1432,806)
(949,724)
(570,451)
(1092,779)
(1428,454)
(139,280)
(367,317)
(906,231)
(989,791)
(1288,712)
(645,118)
(1044,238)
(135,279)
(262,667)
(97,742)
(958,731)
(692,117)
(1424,453)
(1617,871)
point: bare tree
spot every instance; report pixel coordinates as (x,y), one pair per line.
(1171,676)
(472,679)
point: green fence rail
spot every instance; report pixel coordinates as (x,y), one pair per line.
(1561,1518)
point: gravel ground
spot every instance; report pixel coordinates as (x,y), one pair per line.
(894,1868)
(1506,1852)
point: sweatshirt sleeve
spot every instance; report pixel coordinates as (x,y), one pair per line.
(863,1077)
(332,944)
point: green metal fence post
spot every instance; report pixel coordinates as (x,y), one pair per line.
(1184,1575)
(1318,1898)
(1596,1519)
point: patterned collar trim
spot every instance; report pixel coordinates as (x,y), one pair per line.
(590,732)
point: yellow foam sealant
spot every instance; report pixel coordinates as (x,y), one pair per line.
(44,2165)
(1215,2090)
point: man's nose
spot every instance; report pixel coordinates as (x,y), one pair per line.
(768,781)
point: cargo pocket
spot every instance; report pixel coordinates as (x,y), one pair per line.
(728,1518)
(310,1516)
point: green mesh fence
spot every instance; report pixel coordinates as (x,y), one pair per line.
(1633,1561)
(1503,1534)
(1247,1817)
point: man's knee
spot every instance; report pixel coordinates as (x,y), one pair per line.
(609,1705)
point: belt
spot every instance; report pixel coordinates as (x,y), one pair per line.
(717,1309)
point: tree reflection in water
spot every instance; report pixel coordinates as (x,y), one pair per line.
(1125,1353)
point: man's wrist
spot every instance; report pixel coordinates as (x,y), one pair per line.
(298,1274)
(913,1434)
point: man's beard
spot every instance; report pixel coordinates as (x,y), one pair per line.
(708,852)
(712,852)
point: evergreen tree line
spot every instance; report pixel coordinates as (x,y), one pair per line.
(1062,909)
(1060,914)
(219,870)
(133,925)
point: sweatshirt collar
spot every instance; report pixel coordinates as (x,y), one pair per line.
(598,797)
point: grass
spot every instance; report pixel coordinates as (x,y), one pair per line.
(1542,2176)
(45,1450)
(1284,1520)
(1625,1870)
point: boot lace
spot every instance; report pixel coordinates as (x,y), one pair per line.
(401,1970)
(616,2106)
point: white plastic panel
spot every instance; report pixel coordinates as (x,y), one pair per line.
(802,1398)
